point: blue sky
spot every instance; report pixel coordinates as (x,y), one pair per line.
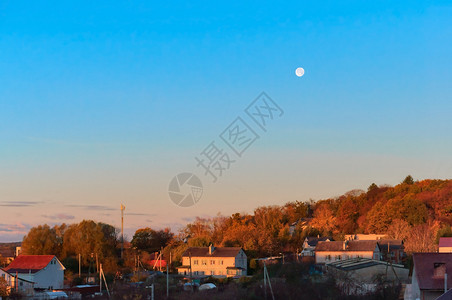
(103,103)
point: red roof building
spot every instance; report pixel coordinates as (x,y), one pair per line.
(29,263)
(46,271)
(428,280)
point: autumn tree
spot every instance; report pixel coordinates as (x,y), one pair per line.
(89,238)
(422,238)
(268,222)
(42,240)
(408,180)
(294,211)
(372,187)
(150,240)
(399,230)
(324,218)
(347,215)
(3,287)
(241,232)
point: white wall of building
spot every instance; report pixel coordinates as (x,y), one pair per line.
(51,277)
(445,249)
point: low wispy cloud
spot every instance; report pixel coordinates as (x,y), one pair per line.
(60,216)
(19,227)
(13,232)
(91,207)
(140,214)
(19,203)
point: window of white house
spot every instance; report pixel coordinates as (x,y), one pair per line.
(195,262)
(212,262)
(204,262)
(220,262)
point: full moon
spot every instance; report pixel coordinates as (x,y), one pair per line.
(299,72)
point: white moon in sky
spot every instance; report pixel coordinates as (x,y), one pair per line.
(299,72)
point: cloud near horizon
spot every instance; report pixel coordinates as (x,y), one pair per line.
(13,232)
(20,203)
(91,207)
(61,216)
(140,214)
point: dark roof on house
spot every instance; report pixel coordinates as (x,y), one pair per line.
(424,265)
(218,252)
(29,263)
(446,296)
(393,245)
(445,241)
(358,263)
(313,241)
(350,246)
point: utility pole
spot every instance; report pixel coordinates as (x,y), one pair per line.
(161,257)
(79,265)
(102,276)
(265,282)
(122,229)
(191,280)
(267,278)
(167,282)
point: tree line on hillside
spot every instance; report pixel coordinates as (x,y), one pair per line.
(418,212)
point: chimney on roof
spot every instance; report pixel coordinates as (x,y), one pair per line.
(344,245)
(211,249)
(439,270)
(445,282)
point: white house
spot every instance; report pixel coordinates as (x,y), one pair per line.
(327,252)
(46,271)
(214,261)
(445,245)
(310,243)
(364,237)
(21,286)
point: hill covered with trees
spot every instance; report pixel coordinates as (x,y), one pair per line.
(418,212)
